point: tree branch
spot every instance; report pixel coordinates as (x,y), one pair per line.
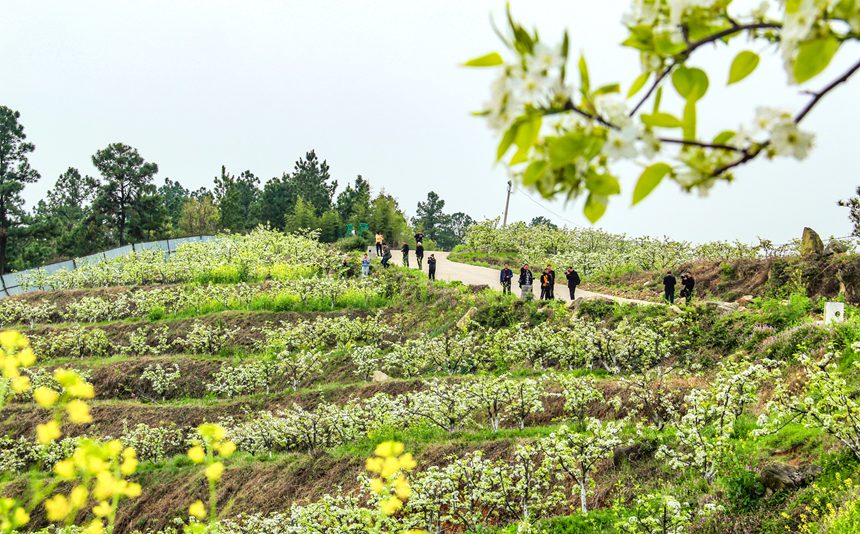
(700,144)
(692,47)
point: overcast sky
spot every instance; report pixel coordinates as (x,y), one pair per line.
(375,88)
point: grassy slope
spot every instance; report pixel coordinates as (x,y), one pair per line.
(272,482)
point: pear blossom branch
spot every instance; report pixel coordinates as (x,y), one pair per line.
(692,47)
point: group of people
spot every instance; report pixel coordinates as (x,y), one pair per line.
(383,251)
(547,281)
(687,285)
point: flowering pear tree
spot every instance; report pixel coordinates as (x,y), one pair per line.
(577,453)
(565,139)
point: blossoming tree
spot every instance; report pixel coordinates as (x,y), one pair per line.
(566,139)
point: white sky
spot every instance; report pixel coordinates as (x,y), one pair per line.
(375,88)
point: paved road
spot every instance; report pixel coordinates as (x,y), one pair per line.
(474,275)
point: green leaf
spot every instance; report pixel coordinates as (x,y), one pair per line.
(658,97)
(595,207)
(607,89)
(649,180)
(603,184)
(690,120)
(661,120)
(526,136)
(507,141)
(724,137)
(584,79)
(493,59)
(742,66)
(535,172)
(813,57)
(691,83)
(638,83)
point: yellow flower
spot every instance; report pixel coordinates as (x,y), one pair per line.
(401,487)
(106,486)
(389,467)
(388,449)
(212,431)
(132,490)
(79,412)
(81,390)
(66,377)
(197,510)
(374,465)
(10,339)
(390,505)
(26,357)
(78,496)
(20,517)
(103,509)
(128,466)
(114,447)
(95,527)
(65,469)
(226,448)
(377,485)
(48,432)
(214,471)
(45,397)
(129,452)
(20,384)
(57,507)
(196,454)
(407,463)
(10,367)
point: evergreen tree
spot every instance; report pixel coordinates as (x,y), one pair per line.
(200,216)
(126,195)
(330,227)
(353,203)
(67,216)
(238,200)
(312,182)
(429,216)
(540,220)
(301,218)
(386,217)
(174,196)
(15,173)
(278,197)
(853,205)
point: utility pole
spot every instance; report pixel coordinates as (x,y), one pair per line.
(507,203)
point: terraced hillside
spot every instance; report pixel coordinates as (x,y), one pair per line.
(520,416)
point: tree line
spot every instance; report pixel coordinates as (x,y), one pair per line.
(82,214)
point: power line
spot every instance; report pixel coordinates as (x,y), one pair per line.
(539,204)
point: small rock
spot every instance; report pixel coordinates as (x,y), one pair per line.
(722,307)
(746,300)
(478,288)
(779,476)
(811,244)
(379,376)
(465,319)
(835,247)
(633,453)
(674,308)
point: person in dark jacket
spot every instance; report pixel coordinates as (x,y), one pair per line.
(551,294)
(405,250)
(419,253)
(573,280)
(546,284)
(525,282)
(505,277)
(687,284)
(669,282)
(386,255)
(419,237)
(431,267)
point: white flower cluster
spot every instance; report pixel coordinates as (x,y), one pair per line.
(663,512)
(234,380)
(140,345)
(205,338)
(73,342)
(162,380)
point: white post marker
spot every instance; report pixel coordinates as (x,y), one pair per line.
(834,312)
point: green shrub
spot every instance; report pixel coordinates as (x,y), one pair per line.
(353,243)
(744,489)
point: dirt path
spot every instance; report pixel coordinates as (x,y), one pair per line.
(474,275)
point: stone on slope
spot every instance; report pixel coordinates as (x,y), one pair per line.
(811,244)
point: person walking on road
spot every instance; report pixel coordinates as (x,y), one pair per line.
(669,282)
(525,282)
(551,288)
(687,283)
(505,277)
(379,239)
(431,267)
(386,255)
(405,250)
(573,280)
(419,253)
(365,265)
(546,284)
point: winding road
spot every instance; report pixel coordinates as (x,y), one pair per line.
(474,275)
